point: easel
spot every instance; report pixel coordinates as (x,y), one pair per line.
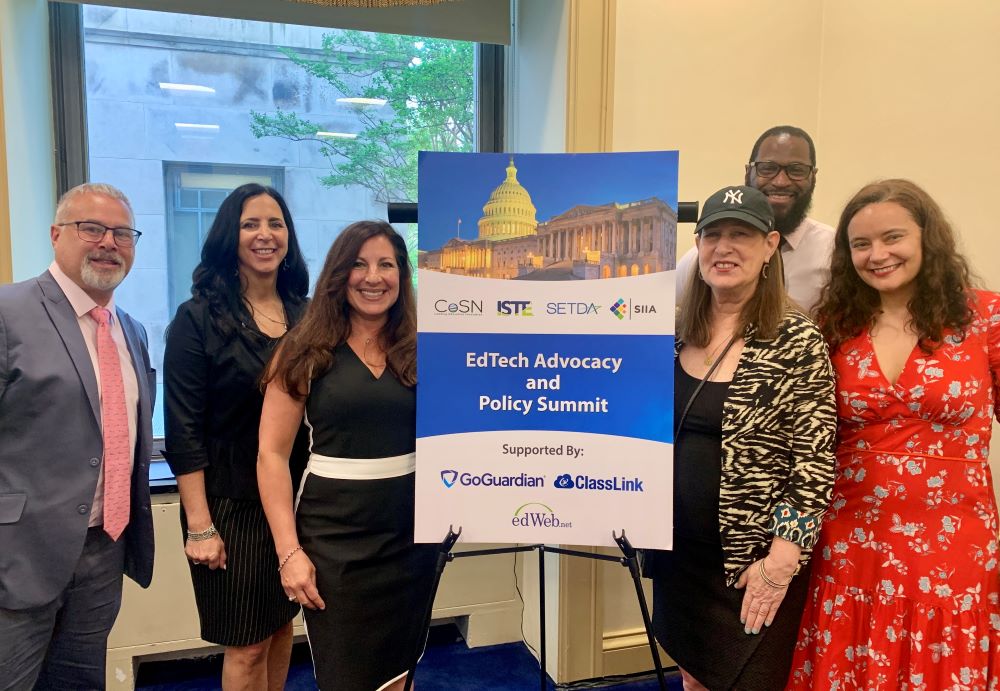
(628,559)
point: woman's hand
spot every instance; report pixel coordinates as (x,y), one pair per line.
(761,601)
(210,552)
(298,578)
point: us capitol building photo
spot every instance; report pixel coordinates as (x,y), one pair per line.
(584,242)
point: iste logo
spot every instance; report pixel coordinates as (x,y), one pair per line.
(537,515)
(462,308)
(450,477)
(600,484)
(514,308)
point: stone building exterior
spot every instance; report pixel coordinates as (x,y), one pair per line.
(584,242)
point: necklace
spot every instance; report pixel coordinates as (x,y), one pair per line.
(364,356)
(254,311)
(710,357)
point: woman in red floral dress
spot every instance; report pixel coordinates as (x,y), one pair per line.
(905,587)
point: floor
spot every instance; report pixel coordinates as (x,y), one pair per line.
(447,665)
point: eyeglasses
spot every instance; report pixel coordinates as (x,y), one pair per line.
(794,171)
(89,231)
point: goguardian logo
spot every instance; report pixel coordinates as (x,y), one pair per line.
(537,515)
(600,484)
(450,477)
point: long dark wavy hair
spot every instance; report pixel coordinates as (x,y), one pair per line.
(216,279)
(307,350)
(940,302)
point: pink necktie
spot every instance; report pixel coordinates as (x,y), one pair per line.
(114,423)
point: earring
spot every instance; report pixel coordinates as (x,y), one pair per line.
(763,271)
(284,264)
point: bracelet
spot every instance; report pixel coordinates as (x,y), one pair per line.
(767,579)
(206,534)
(287,557)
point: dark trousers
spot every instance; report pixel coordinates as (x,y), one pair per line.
(63,644)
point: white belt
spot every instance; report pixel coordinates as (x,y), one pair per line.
(361,468)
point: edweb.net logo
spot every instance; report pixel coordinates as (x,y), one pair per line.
(537,515)
(619,308)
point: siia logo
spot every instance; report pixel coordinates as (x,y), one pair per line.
(619,308)
(536,515)
(448,477)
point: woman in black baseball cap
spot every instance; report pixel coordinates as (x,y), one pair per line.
(753,457)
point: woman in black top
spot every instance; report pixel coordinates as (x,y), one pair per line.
(248,290)
(347,552)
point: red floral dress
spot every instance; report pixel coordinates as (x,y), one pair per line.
(905,586)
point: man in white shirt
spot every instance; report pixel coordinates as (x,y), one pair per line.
(76,397)
(783,166)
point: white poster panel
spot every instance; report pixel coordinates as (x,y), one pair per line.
(545,347)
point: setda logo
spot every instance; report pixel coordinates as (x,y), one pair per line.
(537,515)
(514,308)
(622,308)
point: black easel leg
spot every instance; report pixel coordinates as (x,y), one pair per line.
(633,567)
(444,556)
(541,617)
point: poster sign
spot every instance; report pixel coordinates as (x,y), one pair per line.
(545,347)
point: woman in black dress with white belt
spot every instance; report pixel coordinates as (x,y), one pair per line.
(250,284)
(346,553)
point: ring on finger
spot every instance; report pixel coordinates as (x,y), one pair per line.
(292,598)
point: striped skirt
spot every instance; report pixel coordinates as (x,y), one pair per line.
(244,603)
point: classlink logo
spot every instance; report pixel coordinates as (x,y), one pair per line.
(600,484)
(619,308)
(448,477)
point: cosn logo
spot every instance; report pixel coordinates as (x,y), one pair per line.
(462,307)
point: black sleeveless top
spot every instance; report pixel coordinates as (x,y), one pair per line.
(353,414)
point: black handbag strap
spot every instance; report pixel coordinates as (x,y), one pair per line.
(694,394)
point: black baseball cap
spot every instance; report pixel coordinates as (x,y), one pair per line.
(741,203)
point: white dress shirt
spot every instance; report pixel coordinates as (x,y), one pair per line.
(805,253)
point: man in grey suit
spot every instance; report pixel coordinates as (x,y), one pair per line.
(76,398)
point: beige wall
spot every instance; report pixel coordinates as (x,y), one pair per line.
(896,88)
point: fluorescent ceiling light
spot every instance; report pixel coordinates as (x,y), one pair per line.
(170,86)
(337,135)
(361,101)
(196,126)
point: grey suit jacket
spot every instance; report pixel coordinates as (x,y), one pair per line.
(51,446)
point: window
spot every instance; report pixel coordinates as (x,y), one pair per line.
(180,109)
(193,195)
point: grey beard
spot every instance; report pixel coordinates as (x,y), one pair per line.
(101,280)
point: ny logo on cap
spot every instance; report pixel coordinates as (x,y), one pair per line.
(733,197)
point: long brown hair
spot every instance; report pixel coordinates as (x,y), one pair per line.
(848,305)
(761,315)
(307,350)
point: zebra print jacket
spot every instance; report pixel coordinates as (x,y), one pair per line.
(779,426)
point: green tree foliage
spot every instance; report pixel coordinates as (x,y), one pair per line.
(427,84)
